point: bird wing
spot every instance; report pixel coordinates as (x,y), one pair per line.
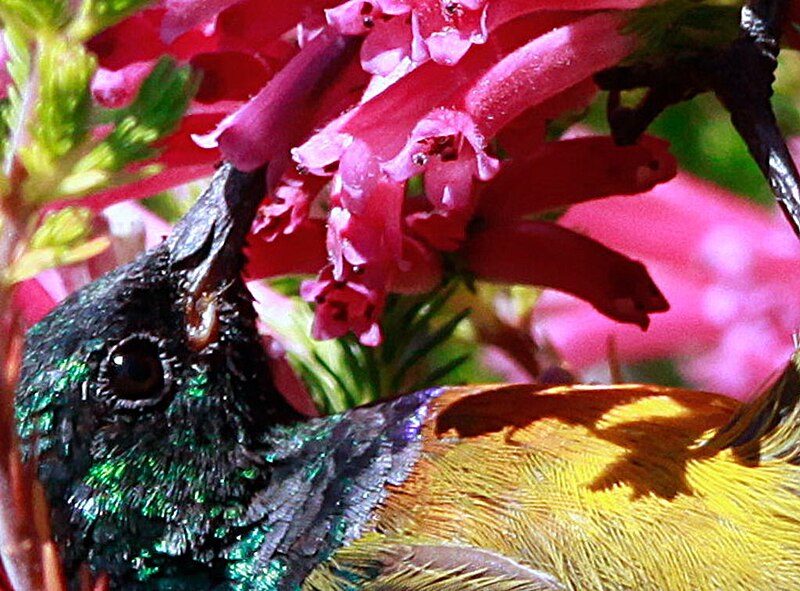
(599,487)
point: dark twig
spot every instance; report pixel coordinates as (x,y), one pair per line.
(741,75)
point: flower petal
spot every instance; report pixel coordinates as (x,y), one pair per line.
(34,298)
(420,271)
(541,253)
(570,171)
(300,252)
(733,304)
(276,118)
(442,134)
(444,231)
(115,89)
(169,178)
(581,335)
(255,25)
(344,306)
(229,75)
(114,49)
(5,76)
(182,15)
(670,214)
(449,29)
(387,45)
(370,238)
(544,67)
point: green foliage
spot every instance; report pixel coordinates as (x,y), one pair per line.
(56,142)
(96,15)
(414,328)
(65,227)
(49,115)
(63,238)
(419,351)
(668,29)
(61,115)
(707,145)
(167,206)
(35,15)
(19,68)
(65,70)
(162,100)
(654,371)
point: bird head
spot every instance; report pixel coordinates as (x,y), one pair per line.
(145,395)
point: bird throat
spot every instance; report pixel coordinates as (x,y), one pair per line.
(326,478)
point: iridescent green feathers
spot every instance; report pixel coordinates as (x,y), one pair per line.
(168,457)
(148,475)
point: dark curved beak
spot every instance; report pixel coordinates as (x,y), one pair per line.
(205,247)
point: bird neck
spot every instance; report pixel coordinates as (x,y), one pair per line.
(319,481)
(326,477)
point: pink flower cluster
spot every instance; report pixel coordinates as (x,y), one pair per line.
(407,140)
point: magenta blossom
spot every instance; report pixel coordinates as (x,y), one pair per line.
(344,305)
(395,242)
(379,237)
(393,130)
(727,267)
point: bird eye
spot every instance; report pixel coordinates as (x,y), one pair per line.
(134,373)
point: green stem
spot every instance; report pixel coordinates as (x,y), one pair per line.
(19,134)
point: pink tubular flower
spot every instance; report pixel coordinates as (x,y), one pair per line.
(546,254)
(450,149)
(727,268)
(344,305)
(506,247)
(404,138)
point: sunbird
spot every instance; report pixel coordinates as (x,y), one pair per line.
(172,463)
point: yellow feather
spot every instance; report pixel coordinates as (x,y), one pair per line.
(384,565)
(627,487)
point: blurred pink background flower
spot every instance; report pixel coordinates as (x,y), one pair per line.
(727,267)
